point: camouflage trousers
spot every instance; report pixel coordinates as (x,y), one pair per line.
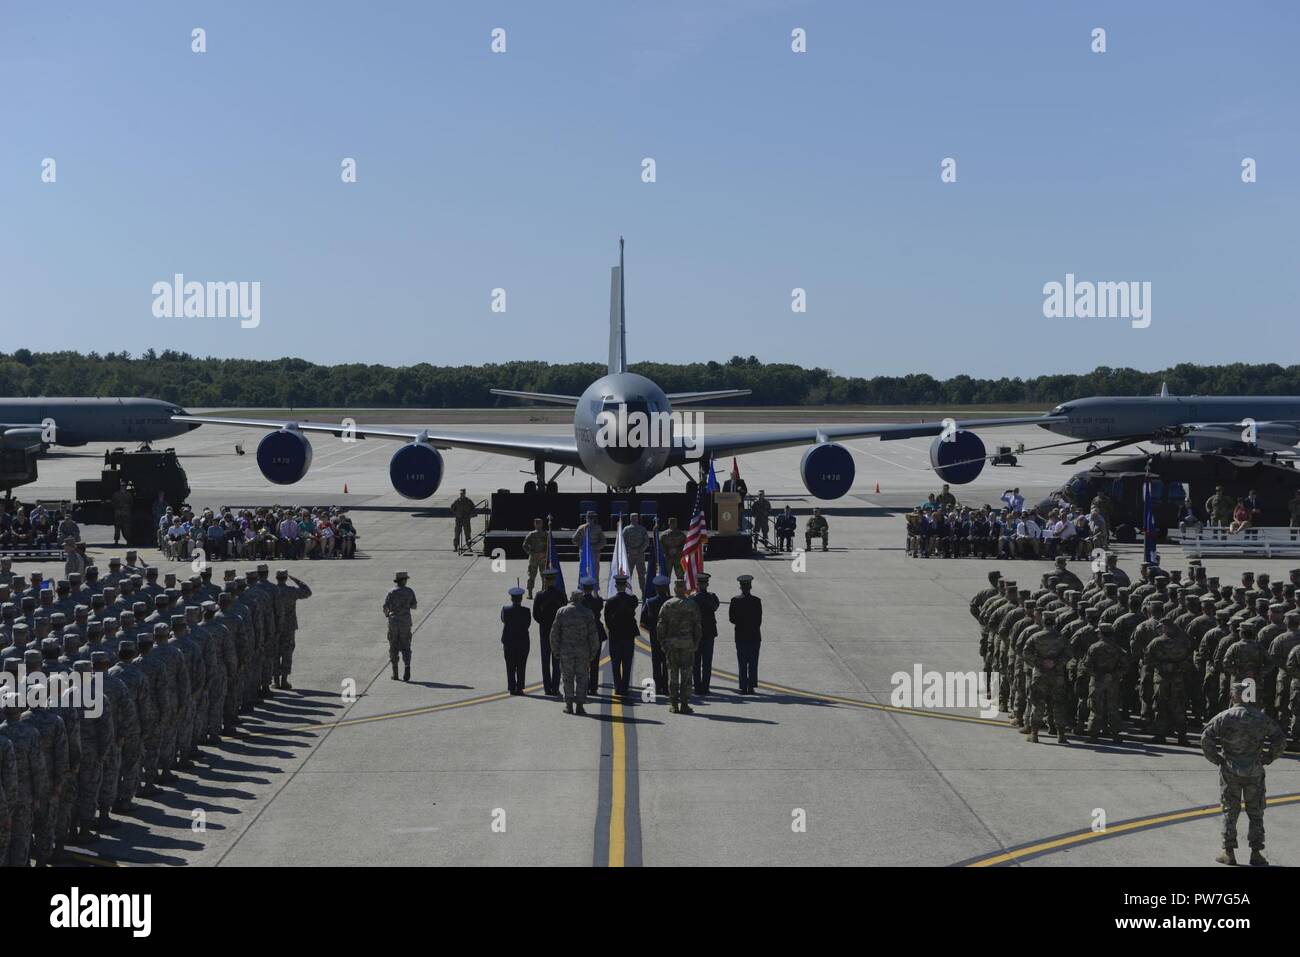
(1234,791)
(462,527)
(1146,691)
(636,566)
(269,659)
(287,642)
(150,750)
(1295,710)
(20,834)
(1048,696)
(184,740)
(1169,704)
(681,667)
(6,825)
(536,565)
(44,815)
(573,675)
(399,641)
(250,673)
(216,704)
(673,561)
(89,777)
(169,729)
(112,772)
(233,699)
(67,806)
(1103,702)
(128,778)
(1266,693)
(1210,693)
(1019,693)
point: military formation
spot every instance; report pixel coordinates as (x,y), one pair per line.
(1157,657)
(178,662)
(574,630)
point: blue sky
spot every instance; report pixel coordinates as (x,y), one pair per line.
(775,170)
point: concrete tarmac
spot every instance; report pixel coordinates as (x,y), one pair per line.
(818,768)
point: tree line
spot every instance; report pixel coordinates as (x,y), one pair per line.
(282,383)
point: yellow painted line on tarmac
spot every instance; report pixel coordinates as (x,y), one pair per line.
(1076,838)
(618,786)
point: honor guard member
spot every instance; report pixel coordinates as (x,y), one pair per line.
(746,613)
(1241,741)
(635,540)
(650,622)
(515,621)
(595,535)
(785,525)
(462,510)
(672,540)
(575,640)
(596,605)
(621,626)
(31,777)
(707,602)
(286,603)
(398,605)
(761,510)
(537,546)
(545,606)
(679,634)
(816,527)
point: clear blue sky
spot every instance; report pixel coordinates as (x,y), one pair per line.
(775,170)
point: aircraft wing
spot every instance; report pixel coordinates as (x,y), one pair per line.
(1275,436)
(558,449)
(715,445)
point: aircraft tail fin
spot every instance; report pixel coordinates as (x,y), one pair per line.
(617,328)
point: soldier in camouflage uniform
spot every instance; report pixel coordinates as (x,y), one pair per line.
(680,632)
(1244,659)
(1046,653)
(398,605)
(286,607)
(816,527)
(1205,656)
(54,751)
(221,662)
(1219,506)
(8,793)
(537,546)
(237,647)
(982,597)
(1241,741)
(265,593)
(1293,677)
(143,708)
(462,510)
(1104,666)
(193,703)
(97,736)
(177,692)
(1167,656)
(1265,636)
(161,692)
(1278,652)
(575,641)
(31,777)
(672,540)
(635,540)
(126,724)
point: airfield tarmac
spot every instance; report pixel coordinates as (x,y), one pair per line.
(449,769)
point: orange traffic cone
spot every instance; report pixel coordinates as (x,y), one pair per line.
(877,488)
(345,488)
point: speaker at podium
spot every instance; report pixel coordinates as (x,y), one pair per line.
(726,508)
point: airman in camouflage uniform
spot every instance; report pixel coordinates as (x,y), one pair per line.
(265,592)
(537,546)
(575,641)
(1046,653)
(221,663)
(54,751)
(126,724)
(1104,665)
(286,608)
(143,707)
(8,793)
(1241,741)
(32,779)
(680,632)
(816,527)
(193,703)
(462,510)
(97,737)
(239,646)
(398,605)
(162,692)
(1167,656)
(635,540)
(672,540)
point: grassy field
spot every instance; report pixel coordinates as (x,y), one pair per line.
(561,415)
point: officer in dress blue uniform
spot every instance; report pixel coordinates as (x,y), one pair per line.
(708,603)
(596,605)
(515,621)
(746,614)
(621,622)
(650,621)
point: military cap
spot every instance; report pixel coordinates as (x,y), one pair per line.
(178,620)
(1239,687)
(250,575)
(1207,600)
(160,628)
(32,658)
(515,592)
(1157,606)
(126,644)
(586,581)
(401,577)
(1024,593)
(95,628)
(209,605)
(229,574)
(703,577)
(81,666)
(743,579)
(36,576)
(1248,628)
(263,567)
(549,573)
(97,656)
(151,571)
(620,579)
(1060,559)
(206,572)
(51,645)
(147,640)
(1106,628)
(20,627)
(462,491)
(1276,607)
(1262,603)
(1292,617)
(57,617)
(114,562)
(71,632)
(282,573)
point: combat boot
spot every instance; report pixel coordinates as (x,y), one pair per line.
(1227,857)
(406,672)
(1093,739)
(284,683)
(394,670)
(1033,737)
(579,709)
(672,707)
(1257,858)
(106,823)
(568,706)
(1061,738)
(684,708)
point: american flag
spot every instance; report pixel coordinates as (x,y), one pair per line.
(696,536)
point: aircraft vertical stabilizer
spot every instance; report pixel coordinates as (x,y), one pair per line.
(617,331)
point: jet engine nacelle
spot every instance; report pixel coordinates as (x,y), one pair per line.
(827,470)
(957,458)
(284,456)
(415,470)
